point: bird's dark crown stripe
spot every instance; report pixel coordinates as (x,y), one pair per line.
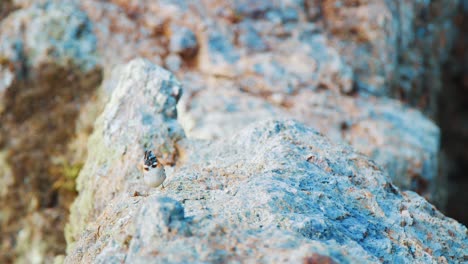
(150,159)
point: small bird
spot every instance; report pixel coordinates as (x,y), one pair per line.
(154,174)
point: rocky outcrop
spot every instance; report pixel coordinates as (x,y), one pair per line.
(275,191)
(331,65)
(140,115)
(251,60)
(396,48)
(385,48)
(400,139)
(48,74)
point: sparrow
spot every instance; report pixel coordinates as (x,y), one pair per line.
(154,173)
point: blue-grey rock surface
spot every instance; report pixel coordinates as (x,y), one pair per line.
(300,59)
(183,41)
(400,139)
(141,114)
(241,62)
(274,50)
(51,32)
(276,191)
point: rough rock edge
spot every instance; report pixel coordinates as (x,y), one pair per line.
(282,187)
(283,162)
(141,114)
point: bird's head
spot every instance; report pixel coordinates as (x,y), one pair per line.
(150,160)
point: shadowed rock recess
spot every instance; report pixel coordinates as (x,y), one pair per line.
(276,191)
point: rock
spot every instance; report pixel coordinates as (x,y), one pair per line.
(315,61)
(401,46)
(275,191)
(121,38)
(140,115)
(217,52)
(250,38)
(173,62)
(49,32)
(219,109)
(399,139)
(184,42)
(5,8)
(48,73)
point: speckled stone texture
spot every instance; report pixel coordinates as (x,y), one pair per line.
(140,115)
(330,65)
(398,138)
(274,191)
(285,59)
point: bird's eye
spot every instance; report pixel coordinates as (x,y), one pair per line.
(146,168)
